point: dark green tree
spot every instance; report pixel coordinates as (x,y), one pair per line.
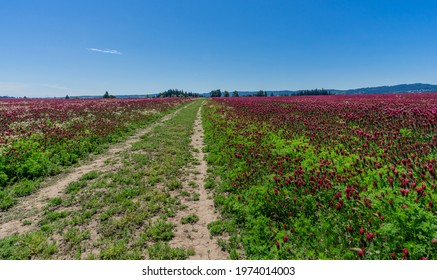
(261,93)
(226,93)
(106,95)
(235,93)
(216,93)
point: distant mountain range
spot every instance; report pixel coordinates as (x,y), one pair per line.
(403,88)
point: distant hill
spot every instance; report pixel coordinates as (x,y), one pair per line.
(403,88)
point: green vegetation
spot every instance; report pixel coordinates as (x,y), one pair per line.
(196,197)
(310,178)
(216,93)
(314,92)
(190,219)
(106,95)
(121,213)
(177,93)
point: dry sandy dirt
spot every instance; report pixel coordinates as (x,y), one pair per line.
(197,236)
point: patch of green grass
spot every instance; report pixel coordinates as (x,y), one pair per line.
(192,184)
(173,184)
(108,213)
(74,187)
(82,217)
(90,175)
(222,243)
(119,250)
(48,229)
(55,201)
(160,231)
(25,187)
(190,219)
(216,227)
(209,183)
(220,226)
(185,193)
(141,159)
(196,196)
(53,216)
(163,251)
(27,246)
(9,195)
(74,236)
(7,200)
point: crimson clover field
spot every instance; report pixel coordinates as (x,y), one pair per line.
(301,177)
(325,177)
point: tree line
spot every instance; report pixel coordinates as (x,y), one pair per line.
(314,92)
(177,93)
(263,93)
(218,93)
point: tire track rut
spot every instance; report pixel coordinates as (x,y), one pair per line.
(196,236)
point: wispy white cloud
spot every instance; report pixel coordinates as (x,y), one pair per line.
(105,51)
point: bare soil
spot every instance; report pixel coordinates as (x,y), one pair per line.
(196,236)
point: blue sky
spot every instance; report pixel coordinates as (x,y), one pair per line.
(54,48)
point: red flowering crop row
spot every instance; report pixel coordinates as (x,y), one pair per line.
(335,177)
